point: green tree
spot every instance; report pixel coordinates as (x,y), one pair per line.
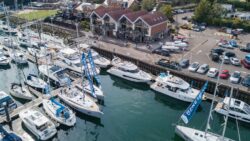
(167,11)
(135,6)
(148,4)
(207,10)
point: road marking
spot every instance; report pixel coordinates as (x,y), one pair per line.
(194,48)
(198,52)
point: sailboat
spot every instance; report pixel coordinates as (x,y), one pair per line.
(18,90)
(56,110)
(59,112)
(191,134)
(78,100)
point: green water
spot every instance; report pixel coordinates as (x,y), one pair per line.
(133,112)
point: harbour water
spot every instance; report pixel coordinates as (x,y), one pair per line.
(133,112)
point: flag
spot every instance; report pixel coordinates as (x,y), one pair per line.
(187,115)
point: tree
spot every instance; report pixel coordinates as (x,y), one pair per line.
(207,10)
(148,4)
(167,11)
(135,6)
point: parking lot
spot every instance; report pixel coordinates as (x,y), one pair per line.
(200,45)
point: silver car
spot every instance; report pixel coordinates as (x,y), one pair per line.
(194,67)
(203,69)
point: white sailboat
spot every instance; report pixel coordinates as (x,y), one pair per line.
(59,112)
(191,134)
(5,98)
(20,91)
(87,89)
(35,82)
(4,61)
(76,99)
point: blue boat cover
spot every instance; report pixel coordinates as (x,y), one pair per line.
(60,110)
(9,136)
(86,69)
(187,115)
(93,68)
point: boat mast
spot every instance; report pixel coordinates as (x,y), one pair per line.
(214,94)
(227,113)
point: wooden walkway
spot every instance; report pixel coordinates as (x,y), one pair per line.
(35,102)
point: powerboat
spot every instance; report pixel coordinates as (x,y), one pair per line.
(234,109)
(128,71)
(38,124)
(71,59)
(19,91)
(11,31)
(174,87)
(8,42)
(80,102)
(59,112)
(86,88)
(4,61)
(8,100)
(191,134)
(99,60)
(35,82)
(18,58)
(55,74)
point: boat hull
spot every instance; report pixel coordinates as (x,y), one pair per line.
(80,109)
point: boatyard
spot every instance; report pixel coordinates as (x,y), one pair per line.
(113,73)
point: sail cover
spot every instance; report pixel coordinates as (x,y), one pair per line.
(187,115)
(93,68)
(62,109)
(86,69)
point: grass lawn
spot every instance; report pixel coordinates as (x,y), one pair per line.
(37,14)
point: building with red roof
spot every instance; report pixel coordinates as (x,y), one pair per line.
(139,26)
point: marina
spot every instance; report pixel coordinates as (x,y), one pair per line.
(60,82)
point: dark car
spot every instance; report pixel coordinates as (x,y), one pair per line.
(215,57)
(184,63)
(162,52)
(246,81)
(219,51)
(169,64)
(230,54)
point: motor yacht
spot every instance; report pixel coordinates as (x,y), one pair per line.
(8,100)
(175,87)
(8,42)
(234,108)
(35,82)
(128,71)
(20,91)
(38,124)
(59,112)
(76,99)
(71,59)
(99,60)
(55,74)
(36,52)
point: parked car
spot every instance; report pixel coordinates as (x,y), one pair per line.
(230,54)
(235,77)
(169,64)
(224,74)
(203,69)
(184,63)
(194,67)
(246,81)
(225,59)
(215,57)
(246,49)
(213,72)
(245,64)
(235,61)
(219,51)
(162,52)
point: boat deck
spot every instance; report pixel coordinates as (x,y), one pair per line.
(219,106)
